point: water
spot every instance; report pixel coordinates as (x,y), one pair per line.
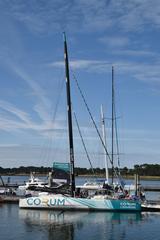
(23,224)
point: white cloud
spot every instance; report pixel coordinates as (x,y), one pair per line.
(136,53)
(21,115)
(115,41)
(49,16)
(12,118)
(148,72)
(37,91)
(89,65)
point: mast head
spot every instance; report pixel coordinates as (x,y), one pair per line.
(64,36)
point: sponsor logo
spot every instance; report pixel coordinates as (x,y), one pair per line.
(50,202)
(57,202)
(127,205)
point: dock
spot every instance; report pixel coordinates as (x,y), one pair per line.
(9,199)
(151,188)
(10,185)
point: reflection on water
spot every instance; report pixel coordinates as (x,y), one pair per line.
(57,225)
(50,217)
(76,225)
(30,224)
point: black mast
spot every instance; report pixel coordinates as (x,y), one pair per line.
(69,110)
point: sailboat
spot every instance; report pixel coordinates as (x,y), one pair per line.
(72,202)
(97,184)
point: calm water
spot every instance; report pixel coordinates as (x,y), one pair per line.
(20,224)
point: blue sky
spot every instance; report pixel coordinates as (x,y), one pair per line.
(33,127)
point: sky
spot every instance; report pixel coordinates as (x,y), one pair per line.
(100,34)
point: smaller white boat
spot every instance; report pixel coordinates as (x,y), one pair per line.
(91,185)
(32,182)
(35,185)
(151,206)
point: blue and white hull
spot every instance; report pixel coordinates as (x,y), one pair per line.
(56,202)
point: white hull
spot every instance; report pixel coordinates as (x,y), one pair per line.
(151,206)
(70,203)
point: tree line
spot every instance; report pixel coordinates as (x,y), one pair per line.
(142,170)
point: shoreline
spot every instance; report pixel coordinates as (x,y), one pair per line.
(154,178)
(126,177)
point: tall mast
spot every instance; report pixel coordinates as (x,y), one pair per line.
(105,143)
(69,110)
(112,158)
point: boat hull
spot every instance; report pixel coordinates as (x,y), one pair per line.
(151,206)
(69,203)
